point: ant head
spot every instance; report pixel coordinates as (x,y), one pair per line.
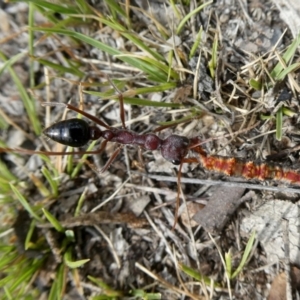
(175,148)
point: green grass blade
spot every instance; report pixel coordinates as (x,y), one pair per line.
(213,61)
(292,68)
(137,101)
(7,257)
(289,53)
(84,7)
(155,89)
(247,252)
(30,44)
(107,289)
(189,15)
(5,173)
(196,43)
(9,62)
(73,264)
(80,203)
(175,9)
(189,117)
(43,190)
(25,274)
(55,223)
(30,232)
(141,294)
(28,102)
(228,264)
(70,236)
(62,69)
(196,275)
(111,93)
(58,285)
(255,84)
(70,161)
(8,295)
(25,203)
(82,160)
(288,112)
(138,63)
(52,182)
(143,102)
(155,65)
(132,37)
(56,8)
(115,8)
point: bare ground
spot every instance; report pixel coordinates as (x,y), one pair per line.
(129,240)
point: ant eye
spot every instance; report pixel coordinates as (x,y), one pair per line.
(175,162)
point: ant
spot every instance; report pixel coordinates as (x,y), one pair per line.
(77,132)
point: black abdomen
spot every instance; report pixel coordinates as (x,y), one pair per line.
(72,132)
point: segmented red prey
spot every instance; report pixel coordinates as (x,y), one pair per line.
(232,166)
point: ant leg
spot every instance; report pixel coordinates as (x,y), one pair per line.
(48,153)
(197,142)
(179,191)
(178,195)
(78,110)
(141,159)
(121,101)
(101,149)
(89,116)
(111,159)
(122,111)
(195,146)
(53,153)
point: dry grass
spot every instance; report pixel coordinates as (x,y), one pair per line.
(208,71)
